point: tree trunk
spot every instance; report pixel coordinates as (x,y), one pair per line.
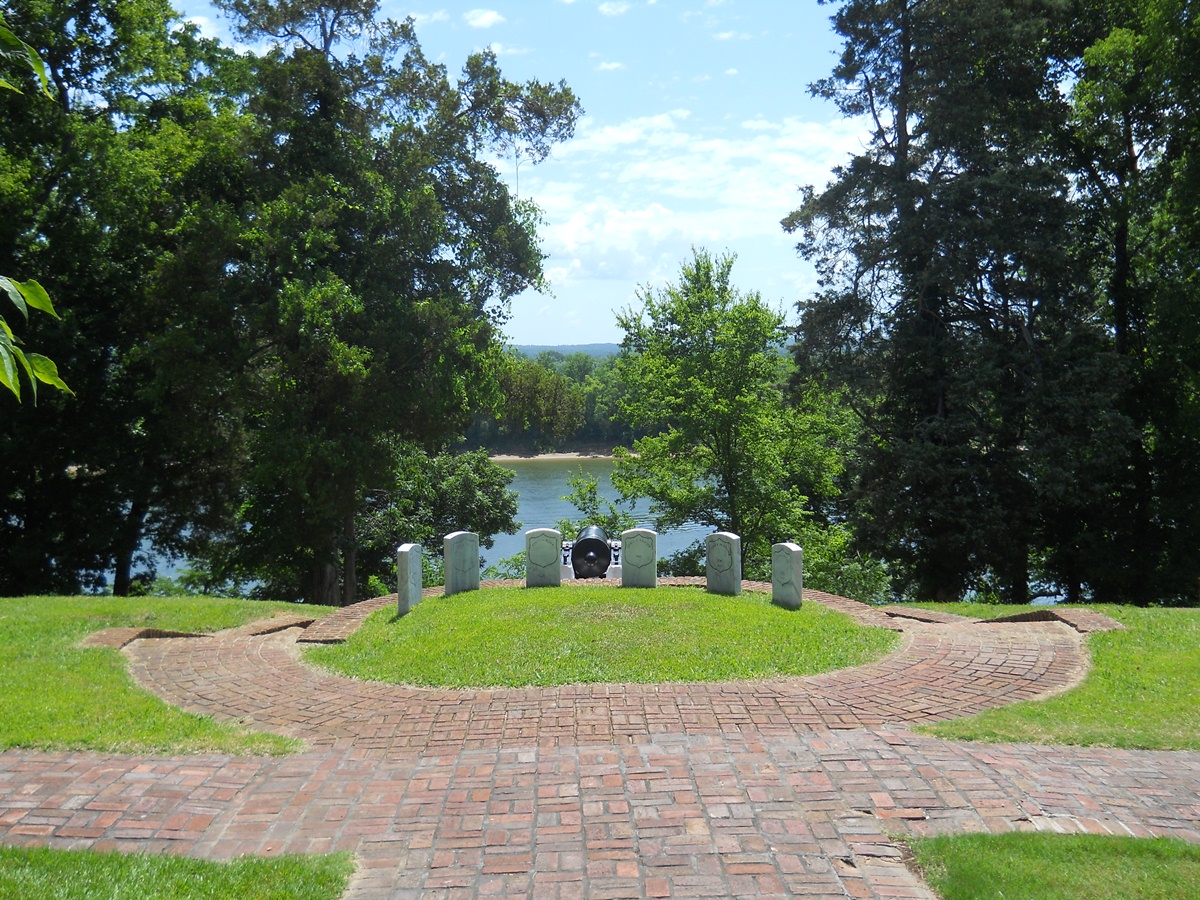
(127,542)
(349,559)
(323,583)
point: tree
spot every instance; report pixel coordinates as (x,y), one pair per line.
(371,254)
(98,189)
(1133,141)
(274,266)
(432,496)
(703,368)
(953,311)
(538,406)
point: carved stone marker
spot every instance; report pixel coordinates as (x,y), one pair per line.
(724,563)
(408,577)
(543,557)
(787,575)
(639,558)
(461,549)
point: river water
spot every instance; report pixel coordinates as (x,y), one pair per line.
(540,483)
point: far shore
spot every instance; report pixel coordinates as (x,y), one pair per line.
(569,454)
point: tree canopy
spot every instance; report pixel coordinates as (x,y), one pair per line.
(1001,299)
(278,267)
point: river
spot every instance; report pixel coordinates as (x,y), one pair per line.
(541,482)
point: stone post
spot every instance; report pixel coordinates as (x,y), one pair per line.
(408,577)
(543,557)
(461,550)
(787,575)
(639,558)
(723,567)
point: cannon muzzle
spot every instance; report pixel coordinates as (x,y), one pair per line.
(591,554)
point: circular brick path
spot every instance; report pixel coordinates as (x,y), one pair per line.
(776,788)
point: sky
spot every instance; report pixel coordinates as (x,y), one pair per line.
(698,131)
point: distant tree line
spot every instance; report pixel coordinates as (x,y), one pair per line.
(555,401)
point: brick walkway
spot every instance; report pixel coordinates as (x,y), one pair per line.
(781,788)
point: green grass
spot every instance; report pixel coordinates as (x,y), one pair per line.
(1143,691)
(45,874)
(57,696)
(586,634)
(1057,867)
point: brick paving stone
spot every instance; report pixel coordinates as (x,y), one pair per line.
(785,788)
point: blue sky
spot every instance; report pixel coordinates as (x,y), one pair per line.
(698,131)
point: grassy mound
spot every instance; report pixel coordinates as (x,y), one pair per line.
(598,634)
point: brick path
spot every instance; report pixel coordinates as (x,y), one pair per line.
(781,788)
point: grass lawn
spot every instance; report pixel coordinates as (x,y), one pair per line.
(588,634)
(57,696)
(1143,691)
(44,874)
(1057,867)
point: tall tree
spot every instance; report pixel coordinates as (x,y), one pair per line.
(951,306)
(702,365)
(373,253)
(1133,141)
(93,193)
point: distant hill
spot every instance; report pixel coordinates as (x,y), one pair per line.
(601,350)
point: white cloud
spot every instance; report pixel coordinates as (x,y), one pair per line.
(731,35)
(609,66)
(503,50)
(731,71)
(613,9)
(482,18)
(204,25)
(420,19)
(626,201)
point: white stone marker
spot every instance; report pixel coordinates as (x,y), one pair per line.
(724,563)
(787,575)
(639,558)
(543,557)
(408,577)
(461,549)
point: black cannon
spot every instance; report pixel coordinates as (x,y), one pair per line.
(591,553)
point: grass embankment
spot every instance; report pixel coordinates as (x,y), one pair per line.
(1141,693)
(1057,867)
(592,634)
(45,874)
(55,695)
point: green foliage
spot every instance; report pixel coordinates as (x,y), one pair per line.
(1006,298)
(587,634)
(1140,692)
(703,370)
(539,407)
(431,496)
(275,266)
(613,516)
(24,295)
(43,873)
(512,567)
(1057,866)
(59,696)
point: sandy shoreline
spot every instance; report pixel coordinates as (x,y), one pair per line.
(570,454)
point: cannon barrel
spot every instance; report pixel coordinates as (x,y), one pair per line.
(591,554)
